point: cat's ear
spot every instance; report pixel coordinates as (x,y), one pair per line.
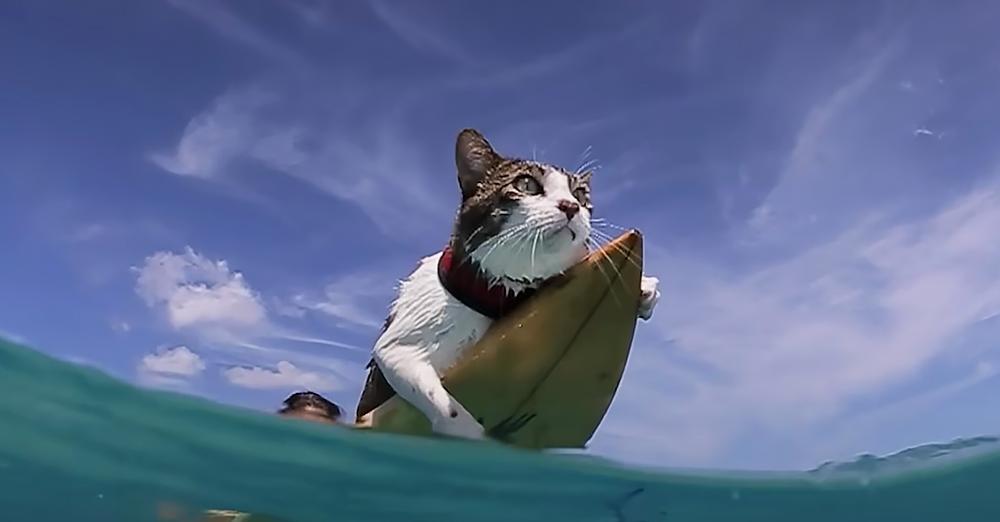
(585,177)
(474,156)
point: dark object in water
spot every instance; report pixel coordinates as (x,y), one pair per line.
(310,404)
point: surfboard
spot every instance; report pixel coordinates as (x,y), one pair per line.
(544,375)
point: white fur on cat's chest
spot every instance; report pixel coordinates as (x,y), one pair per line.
(429,322)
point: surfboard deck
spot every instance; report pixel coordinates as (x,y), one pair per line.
(544,375)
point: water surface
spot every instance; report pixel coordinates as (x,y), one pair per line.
(78,445)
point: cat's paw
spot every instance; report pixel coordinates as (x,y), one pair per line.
(462,426)
(649,295)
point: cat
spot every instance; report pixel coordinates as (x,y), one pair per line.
(520,223)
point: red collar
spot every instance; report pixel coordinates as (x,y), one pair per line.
(467,282)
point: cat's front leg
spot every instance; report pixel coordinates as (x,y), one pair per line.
(409,373)
(649,295)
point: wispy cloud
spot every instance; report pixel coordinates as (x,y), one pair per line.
(330,362)
(215,138)
(814,137)
(789,345)
(315,14)
(710,28)
(357,166)
(552,64)
(66,218)
(319,341)
(88,232)
(354,300)
(850,431)
(409,29)
(284,375)
(232,27)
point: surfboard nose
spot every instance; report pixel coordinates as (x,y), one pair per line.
(623,254)
(628,240)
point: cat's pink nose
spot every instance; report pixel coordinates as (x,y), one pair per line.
(570,208)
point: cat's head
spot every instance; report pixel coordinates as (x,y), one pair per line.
(519,220)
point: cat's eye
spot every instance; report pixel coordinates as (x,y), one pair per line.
(580,194)
(528,185)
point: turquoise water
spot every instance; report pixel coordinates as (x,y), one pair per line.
(78,445)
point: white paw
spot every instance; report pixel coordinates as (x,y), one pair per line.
(648,297)
(462,426)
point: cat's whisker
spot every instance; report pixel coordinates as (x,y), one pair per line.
(504,234)
(535,237)
(468,242)
(602,235)
(519,243)
(628,259)
(611,225)
(596,241)
(599,233)
(501,239)
(583,159)
(589,165)
(522,243)
(497,240)
(604,222)
(504,238)
(611,263)
(610,242)
(534,243)
(603,257)
(602,260)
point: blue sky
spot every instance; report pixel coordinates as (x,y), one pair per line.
(218,197)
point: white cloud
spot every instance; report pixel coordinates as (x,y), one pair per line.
(121,326)
(198,294)
(176,361)
(787,346)
(170,368)
(284,376)
(205,297)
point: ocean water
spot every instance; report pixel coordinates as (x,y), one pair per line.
(77,445)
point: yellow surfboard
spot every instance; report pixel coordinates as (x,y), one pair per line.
(544,375)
